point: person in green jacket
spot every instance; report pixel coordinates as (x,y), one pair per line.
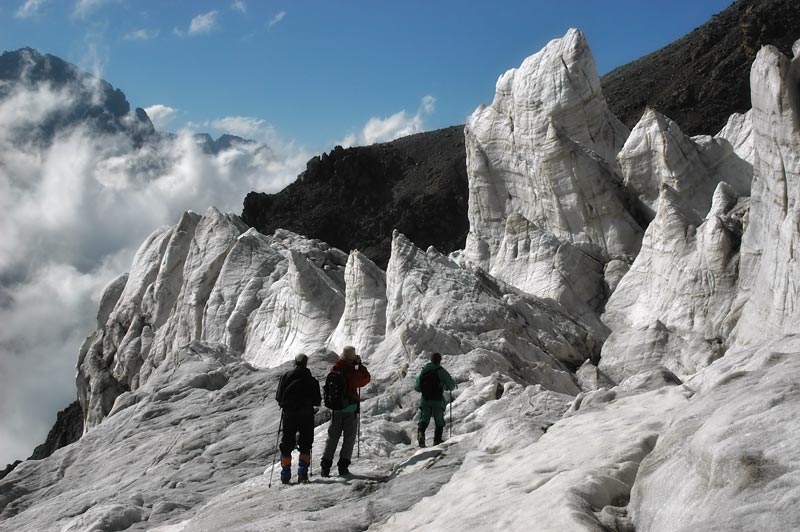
(431,382)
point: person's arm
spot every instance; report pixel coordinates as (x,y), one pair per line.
(316,397)
(417,382)
(361,376)
(279,391)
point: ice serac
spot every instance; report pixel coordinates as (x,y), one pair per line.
(209,278)
(544,150)
(673,307)
(770,269)
(109,297)
(97,389)
(539,263)
(658,153)
(363,323)
(738,131)
(249,267)
(436,305)
(214,236)
(299,314)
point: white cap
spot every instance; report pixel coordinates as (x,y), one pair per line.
(348,353)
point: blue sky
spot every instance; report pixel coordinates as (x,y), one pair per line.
(314,72)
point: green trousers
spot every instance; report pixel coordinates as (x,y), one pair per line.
(428,411)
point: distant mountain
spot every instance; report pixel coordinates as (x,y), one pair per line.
(353,198)
(702,78)
(224,142)
(83,98)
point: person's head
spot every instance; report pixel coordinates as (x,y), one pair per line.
(301,360)
(348,353)
(436,358)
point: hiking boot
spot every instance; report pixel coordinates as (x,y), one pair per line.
(421,438)
(344,471)
(325,467)
(437,435)
(302,478)
(286,480)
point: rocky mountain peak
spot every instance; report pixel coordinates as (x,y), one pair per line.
(74,97)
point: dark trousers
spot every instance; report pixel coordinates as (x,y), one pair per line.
(294,425)
(341,422)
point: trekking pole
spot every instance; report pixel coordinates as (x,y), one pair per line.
(451,415)
(277,448)
(358,452)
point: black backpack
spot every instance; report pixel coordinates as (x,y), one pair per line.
(334,390)
(293,396)
(430,385)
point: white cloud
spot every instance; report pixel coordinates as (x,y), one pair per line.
(240,6)
(140,35)
(30,8)
(73,214)
(280,15)
(203,23)
(395,126)
(160,115)
(85,7)
(243,126)
(428,104)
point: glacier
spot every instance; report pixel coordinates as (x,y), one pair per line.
(622,326)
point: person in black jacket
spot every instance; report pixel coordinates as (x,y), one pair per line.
(298,394)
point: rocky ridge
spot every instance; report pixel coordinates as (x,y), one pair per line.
(353,198)
(701,79)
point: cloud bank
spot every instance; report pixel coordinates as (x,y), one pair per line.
(72,215)
(395,126)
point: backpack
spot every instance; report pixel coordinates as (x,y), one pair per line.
(334,390)
(431,386)
(293,395)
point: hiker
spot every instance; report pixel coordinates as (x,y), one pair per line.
(343,398)
(298,395)
(432,381)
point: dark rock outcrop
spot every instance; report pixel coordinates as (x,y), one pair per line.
(67,429)
(702,78)
(353,198)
